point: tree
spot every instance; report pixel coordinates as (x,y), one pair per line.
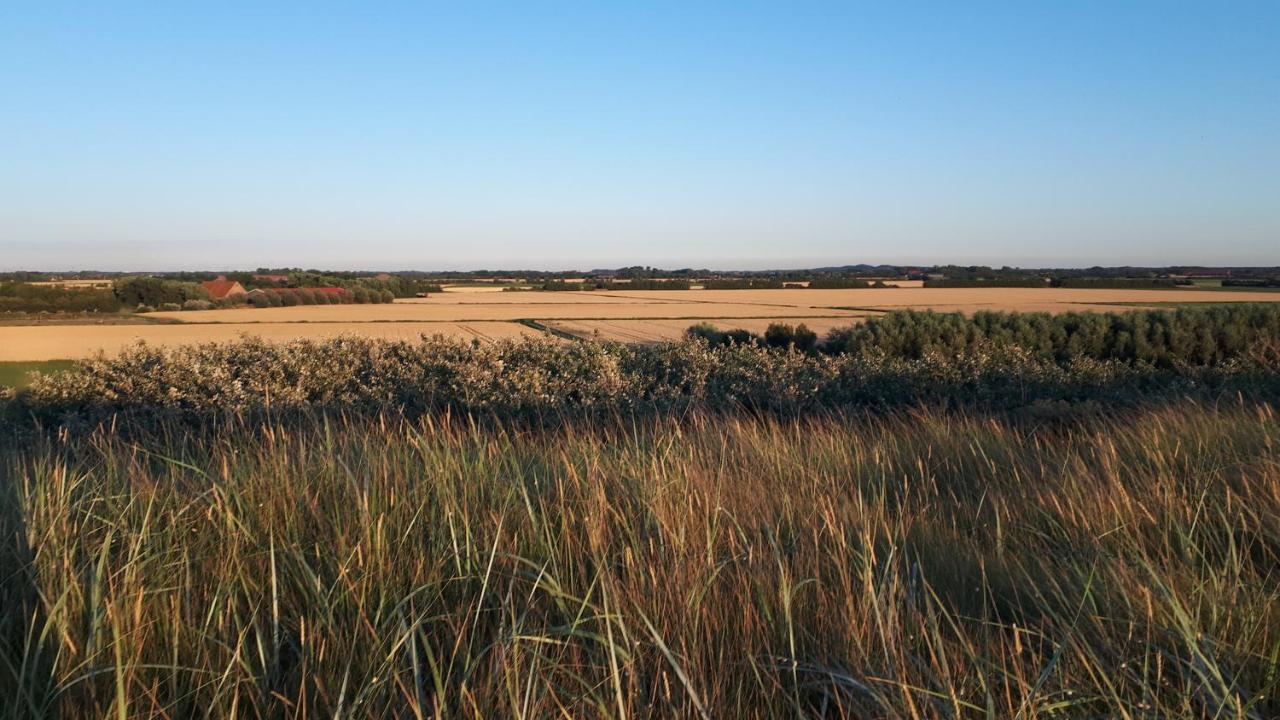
(154,291)
(799,337)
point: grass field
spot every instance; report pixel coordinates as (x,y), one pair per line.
(16,374)
(1001,517)
(914,565)
(634,316)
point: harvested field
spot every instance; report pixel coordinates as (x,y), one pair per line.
(660,330)
(32,343)
(1019,299)
(409,312)
(625,315)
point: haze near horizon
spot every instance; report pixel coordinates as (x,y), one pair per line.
(567,135)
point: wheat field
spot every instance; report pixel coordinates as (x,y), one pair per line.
(58,342)
(625,315)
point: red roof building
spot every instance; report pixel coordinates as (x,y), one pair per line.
(222,287)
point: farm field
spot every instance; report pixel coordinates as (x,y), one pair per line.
(425,312)
(32,343)
(630,316)
(971,299)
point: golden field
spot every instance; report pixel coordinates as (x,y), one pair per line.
(625,315)
(58,342)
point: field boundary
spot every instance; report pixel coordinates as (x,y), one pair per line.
(556,332)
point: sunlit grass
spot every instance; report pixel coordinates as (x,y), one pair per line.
(913,565)
(18,374)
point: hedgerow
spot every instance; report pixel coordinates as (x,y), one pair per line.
(1198,336)
(529,378)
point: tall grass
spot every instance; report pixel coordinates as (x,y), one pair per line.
(916,564)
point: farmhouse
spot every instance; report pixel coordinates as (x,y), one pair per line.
(222,287)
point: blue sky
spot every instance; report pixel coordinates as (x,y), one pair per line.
(733,135)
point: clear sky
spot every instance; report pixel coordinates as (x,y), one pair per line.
(730,135)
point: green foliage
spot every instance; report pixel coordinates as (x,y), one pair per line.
(24,297)
(828,282)
(535,377)
(716,337)
(743,284)
(1252,282)
(1197,336)
(156,292)
(799,337)
(646,285)
(562,286)
(1000,282)
(1132,283)
(18,374)
(259,298)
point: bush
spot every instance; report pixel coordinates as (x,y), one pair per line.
(154,291)
(288,298)
(1118,283)
(306,296)
(719,338)
(25,297)
(530,378)
(799,337)
(1004,282)
(142,308)
(171,307)
(743,284)
(839,283)
(1198,336)
(388,296)
(562,286)
(1252,282)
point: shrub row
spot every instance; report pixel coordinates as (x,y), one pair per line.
(561,285)
(839,283)
(24,297)
(541,377)
(1252,282)
(155,292)
(743,284)
(290,297)
(1118,283)
(1198,336)
(1122,283)
(777,335)
(1003,282)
